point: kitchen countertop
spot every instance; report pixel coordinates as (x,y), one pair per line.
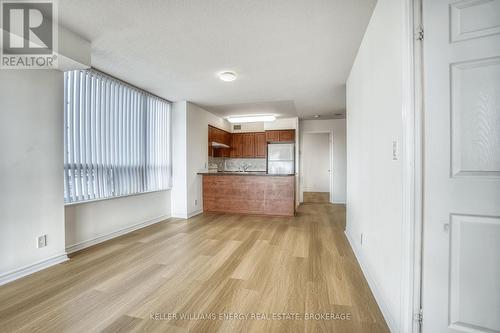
(247,173)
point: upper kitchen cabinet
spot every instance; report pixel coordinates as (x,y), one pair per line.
(287,135)
(280,135)
(217,135)
(236,145)
(272,136)
(260,144)
(248,145)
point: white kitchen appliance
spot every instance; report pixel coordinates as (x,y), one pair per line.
(281,158)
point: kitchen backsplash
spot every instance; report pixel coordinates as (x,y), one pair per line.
(237,164)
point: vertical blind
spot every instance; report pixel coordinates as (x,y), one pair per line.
(117,138)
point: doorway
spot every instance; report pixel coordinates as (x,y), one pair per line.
(316,167)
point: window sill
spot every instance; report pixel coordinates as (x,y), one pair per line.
(77,203)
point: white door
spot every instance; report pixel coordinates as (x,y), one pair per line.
(316,162)
(461,240)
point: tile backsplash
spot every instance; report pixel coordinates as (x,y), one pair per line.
(236,164)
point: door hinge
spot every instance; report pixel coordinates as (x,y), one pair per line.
(419,33)
(419,318)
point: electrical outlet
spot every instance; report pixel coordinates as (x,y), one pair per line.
(195,202)
(42,241)
(361,239)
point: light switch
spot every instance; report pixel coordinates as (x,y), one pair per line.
(395,151)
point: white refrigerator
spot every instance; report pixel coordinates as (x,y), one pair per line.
(280,158)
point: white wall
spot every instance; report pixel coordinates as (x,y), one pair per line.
(31,167)
(92,222)
(315,162)
(339,164)
(282,123)
(250,127)
(198,120)
(179,159)
(374,184)
(190,155)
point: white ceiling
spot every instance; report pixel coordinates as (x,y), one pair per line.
(292,57)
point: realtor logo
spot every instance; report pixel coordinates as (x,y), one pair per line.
(29,34)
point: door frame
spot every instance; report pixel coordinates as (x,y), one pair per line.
(412,163)
(330,160)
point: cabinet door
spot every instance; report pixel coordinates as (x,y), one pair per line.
(236,150)
(260,145)
(287,135)
(218,135)
(222,152)
(210,134)
(272,136)
(248,145)
(227,138)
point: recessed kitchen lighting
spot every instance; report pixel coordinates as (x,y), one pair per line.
(250,119)
(227,76)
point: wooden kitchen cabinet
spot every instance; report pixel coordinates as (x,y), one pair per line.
(287,135)
(248,145)
(220,136)
(210,134)
(236,145)
(227,138)
(280,135)
(260,145)
(272,136)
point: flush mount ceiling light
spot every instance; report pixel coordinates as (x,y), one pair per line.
(227,76)
(250,119)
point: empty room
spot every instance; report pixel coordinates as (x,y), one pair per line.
(250,166)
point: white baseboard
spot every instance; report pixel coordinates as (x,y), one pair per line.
(114,234)
(188,215)
(30,269)
(373,285)
(197,212)
(338,202)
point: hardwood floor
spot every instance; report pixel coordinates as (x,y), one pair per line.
(316,197)
(212,264)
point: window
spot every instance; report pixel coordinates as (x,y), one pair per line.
(117,138)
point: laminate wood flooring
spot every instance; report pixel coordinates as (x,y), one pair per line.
(316,197)
(211,273)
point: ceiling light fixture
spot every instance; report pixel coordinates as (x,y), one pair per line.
(227,76)
(250,119)
(317,116)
